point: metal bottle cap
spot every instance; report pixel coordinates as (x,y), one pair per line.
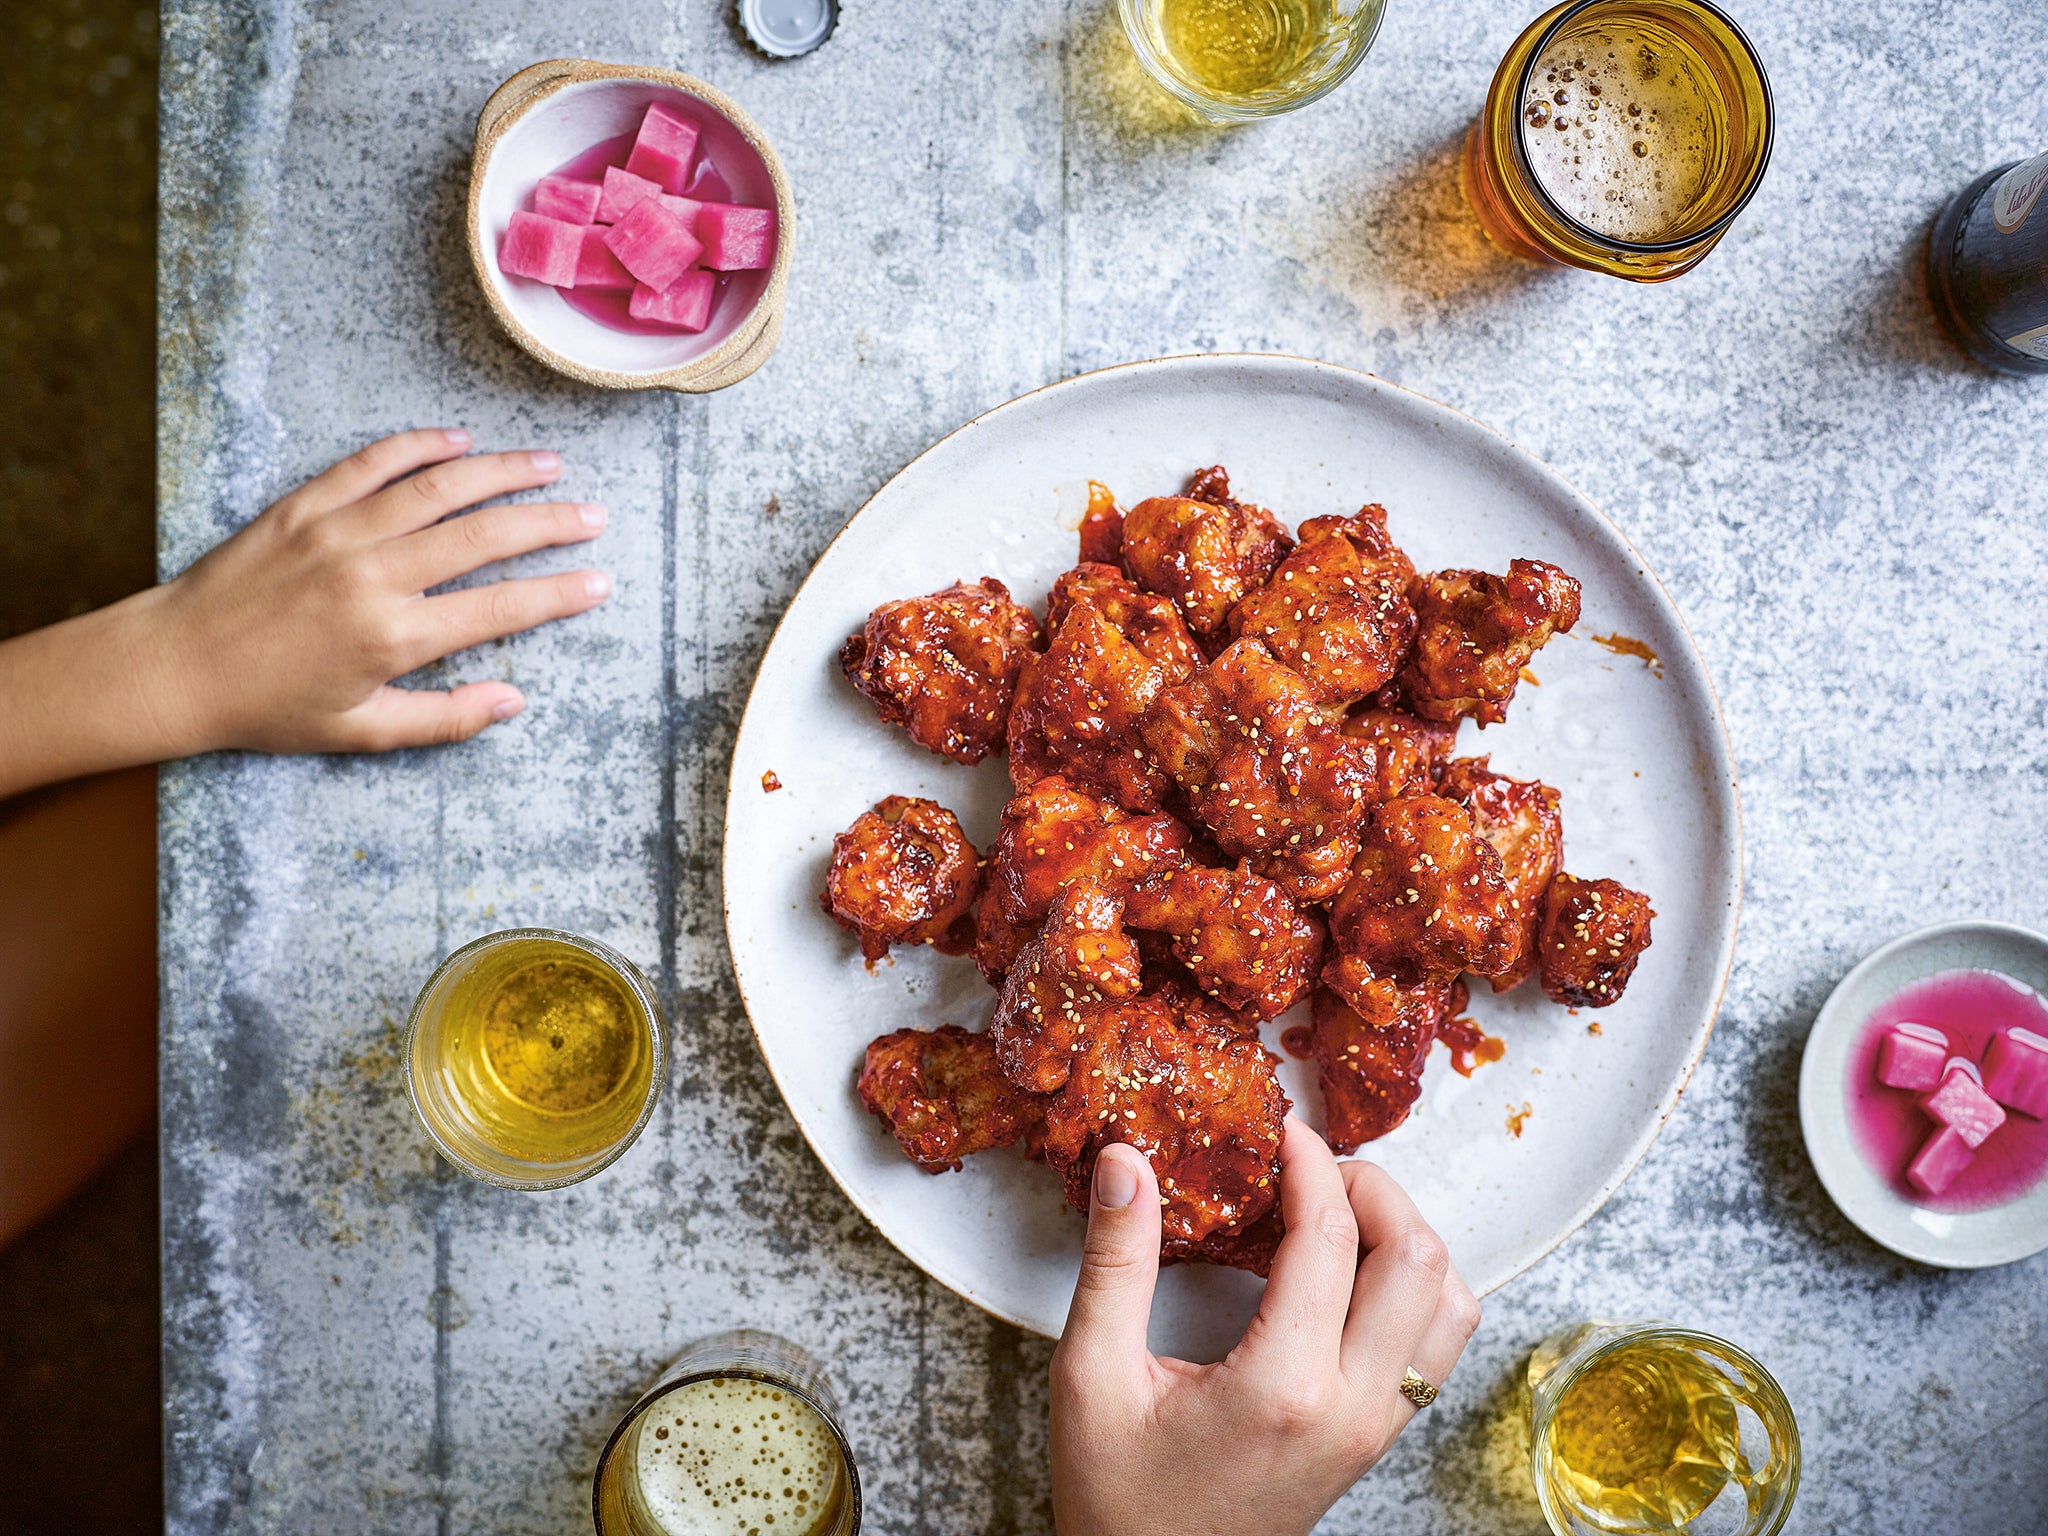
(783,29)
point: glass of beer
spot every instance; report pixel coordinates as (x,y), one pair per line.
(1621,136)
(535,1057)
(740,1436)
(1239,60)
(1645,1427)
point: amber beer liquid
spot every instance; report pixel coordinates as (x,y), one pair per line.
(534,1057)
(740,1436)
(1621,136)
(1987,268)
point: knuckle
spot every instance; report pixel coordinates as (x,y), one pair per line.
(1465,1312)
(1304,1406)
(368,459)
(429,485)
(1418,1248)
(478,532)
(1371,1428)
(453,727)
(1336,1229)
(504,609)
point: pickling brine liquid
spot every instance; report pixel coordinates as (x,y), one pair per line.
(1243,47)
(1643,1440)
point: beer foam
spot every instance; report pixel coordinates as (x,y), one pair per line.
(1621,130)
(738,1458)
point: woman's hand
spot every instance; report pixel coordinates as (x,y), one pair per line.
(1361,1291)
(285,638)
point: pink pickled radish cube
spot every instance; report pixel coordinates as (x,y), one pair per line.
(1911,1056)
(541,248)
(573,202)
(736,239)
(1961,1104)
(622,191)
(686,305)
(597,267)
(2016,1071)
(684,208)
(653,244)
(665,148)
(1935,1166)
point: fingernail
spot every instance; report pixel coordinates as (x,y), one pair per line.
(592,515)
(544,461)
(1116,1186)
(505,709)
(456,436)
(596,585)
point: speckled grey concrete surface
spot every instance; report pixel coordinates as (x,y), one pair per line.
(990,198)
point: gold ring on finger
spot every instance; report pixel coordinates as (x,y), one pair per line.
(1416,1390)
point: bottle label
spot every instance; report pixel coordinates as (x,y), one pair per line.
(2014,194)
(2034,343)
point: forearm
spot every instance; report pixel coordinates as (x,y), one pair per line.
(91,694)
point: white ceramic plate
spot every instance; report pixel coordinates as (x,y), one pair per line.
(1640,756)
(1998,1234)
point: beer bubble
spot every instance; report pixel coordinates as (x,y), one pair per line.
(1641,149)
(1539,113)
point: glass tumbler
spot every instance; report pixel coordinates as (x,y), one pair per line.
(1236,61)
(1645,1428)
(1646,190)
(534,1057)
(741,1433)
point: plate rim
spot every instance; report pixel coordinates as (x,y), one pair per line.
(1725,781)
(1814,1091)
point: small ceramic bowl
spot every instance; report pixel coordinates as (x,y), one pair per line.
(548,114)
(1975,1239)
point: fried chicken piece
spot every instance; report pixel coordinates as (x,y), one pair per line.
(944,667)
(1241,936)
(903,873)
(1369,1067)
(997,940)
(1427,899)
(942,1095)
(1409,751)
(1251,1247)
(1054,835)
(1475,632)
(1202,1104)
(1102,529)
(1264,770)
(1175,985)
(1520,818)
(1205,551)
(1078,704)
(1591,935)
(1063,983)
(1336,610)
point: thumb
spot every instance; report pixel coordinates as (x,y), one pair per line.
(420,717)
(1120,1265)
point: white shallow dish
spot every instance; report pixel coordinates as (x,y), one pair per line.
(1640,755)
(1999,1234)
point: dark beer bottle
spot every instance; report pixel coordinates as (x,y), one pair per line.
(1987,267)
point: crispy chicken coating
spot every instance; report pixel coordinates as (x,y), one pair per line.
(1336,610)
(1410,752)
(1239,934)
(1061,985)
(997,940)
(944,667)
(1203,550)
(1427,899)
(942,1095)
(1175,985)
(1264,770)
(1251,1248)
(1054,835)
(1202,1104)
(1475,632)
(1369,1067)
(1591,935)
(903,873)
(1520,818)
(1102,528)
(1078,704)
